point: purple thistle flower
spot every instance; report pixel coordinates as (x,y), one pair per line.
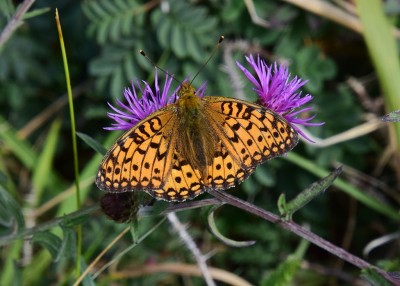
(138,109)
(278,93)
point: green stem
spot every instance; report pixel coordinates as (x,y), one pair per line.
(74,144)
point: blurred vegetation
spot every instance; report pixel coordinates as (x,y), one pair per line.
(102,40)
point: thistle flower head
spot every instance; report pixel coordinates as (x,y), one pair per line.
(278,92)
(136,109)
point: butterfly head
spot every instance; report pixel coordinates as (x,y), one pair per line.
(188,102)
(186,90)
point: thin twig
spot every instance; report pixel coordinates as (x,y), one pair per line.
(253,14)
(300,231)
(15,21)
(179,268)
(126,250)
(191,245)
(352,133)
(94,262)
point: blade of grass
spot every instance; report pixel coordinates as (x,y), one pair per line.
(44,164)
(344,186)
(13,255)
(383,50)
(20,148)
(25,153)
(74,144)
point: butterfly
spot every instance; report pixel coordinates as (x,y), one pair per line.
(194,145)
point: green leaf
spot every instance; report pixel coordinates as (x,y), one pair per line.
(68,244)
(18,147)
(49,241)
(374,278)
(177,29)
(359,195)
(10,211)
(284,274)
(113,20)
(96,146)
(35,13)
(88,280)
(288,209)
(10,272)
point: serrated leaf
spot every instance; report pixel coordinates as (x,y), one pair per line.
(49,241)
(92,143)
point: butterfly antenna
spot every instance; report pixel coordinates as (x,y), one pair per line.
(154,64)
(212,54)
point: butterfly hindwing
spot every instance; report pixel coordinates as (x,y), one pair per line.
(183,181)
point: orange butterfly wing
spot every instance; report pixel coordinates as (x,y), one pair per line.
(140,158)
(250,135)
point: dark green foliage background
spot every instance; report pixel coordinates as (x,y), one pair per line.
(102,41)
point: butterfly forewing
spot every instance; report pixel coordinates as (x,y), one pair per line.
(140,158)
(252,133)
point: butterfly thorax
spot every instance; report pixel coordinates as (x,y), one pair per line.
(196,141)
